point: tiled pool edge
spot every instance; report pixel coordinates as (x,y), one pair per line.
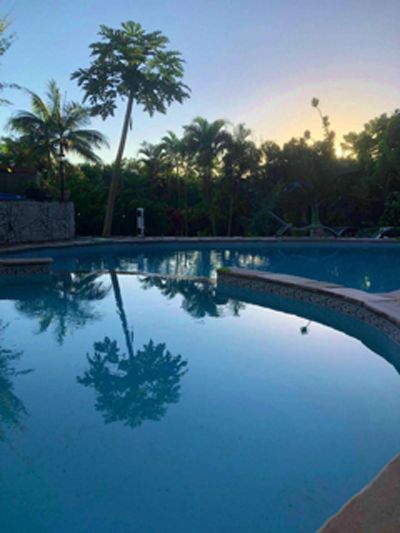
(377,506)
(381,311)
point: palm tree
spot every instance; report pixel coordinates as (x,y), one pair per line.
(176,150)
(205,140)
(54,128)
(240,159)
(153,162)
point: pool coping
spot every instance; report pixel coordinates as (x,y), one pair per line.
(377,506)
(379,310)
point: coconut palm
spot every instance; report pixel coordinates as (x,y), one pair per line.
(205,140)
(153,162)
(177,153)
(54,128)
(240,160)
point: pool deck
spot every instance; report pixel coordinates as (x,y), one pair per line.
(376,509)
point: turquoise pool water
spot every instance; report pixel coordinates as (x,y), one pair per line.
(372,267)
(136,405)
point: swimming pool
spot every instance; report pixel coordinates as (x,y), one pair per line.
(372,267)
(137,404)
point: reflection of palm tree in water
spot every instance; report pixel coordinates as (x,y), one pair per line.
(132,387)
(11,407)
(200,298)
(65,303)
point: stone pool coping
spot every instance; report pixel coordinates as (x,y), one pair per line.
(377,507)
(379,310)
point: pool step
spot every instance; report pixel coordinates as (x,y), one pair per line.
(17,266)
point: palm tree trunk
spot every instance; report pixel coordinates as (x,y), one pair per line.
(315,218)
(230,216)
(185,200)
(121,312)
(208,198)
(114,185)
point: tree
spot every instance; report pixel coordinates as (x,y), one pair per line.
(240,160)
(153,162)
(205,140)
(54,128)
(5,43)
(376,151)
(181,162)
(5,40)
(136,66)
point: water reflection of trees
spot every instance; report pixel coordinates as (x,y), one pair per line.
(11,407)
(200,298)
(133,387)
(65,303)
(327,262)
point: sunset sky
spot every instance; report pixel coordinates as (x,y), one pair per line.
(254,61)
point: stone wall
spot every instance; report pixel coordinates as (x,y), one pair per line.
(30,221)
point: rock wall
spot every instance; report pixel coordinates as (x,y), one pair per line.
(30,221)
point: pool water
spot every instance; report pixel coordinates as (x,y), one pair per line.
(135,404)
(372,267)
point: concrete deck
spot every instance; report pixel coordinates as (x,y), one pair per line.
(376,509)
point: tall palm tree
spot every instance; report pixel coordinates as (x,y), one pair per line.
(54,128)
(176,150)
(153,162)
(205,140)
(240,159)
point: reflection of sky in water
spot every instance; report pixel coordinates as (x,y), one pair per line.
(374,268)
(263,428)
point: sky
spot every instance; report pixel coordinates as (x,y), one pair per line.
(254,61)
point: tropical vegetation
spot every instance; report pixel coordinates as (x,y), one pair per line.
(212,178)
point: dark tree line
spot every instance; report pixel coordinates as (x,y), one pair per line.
(213,179)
